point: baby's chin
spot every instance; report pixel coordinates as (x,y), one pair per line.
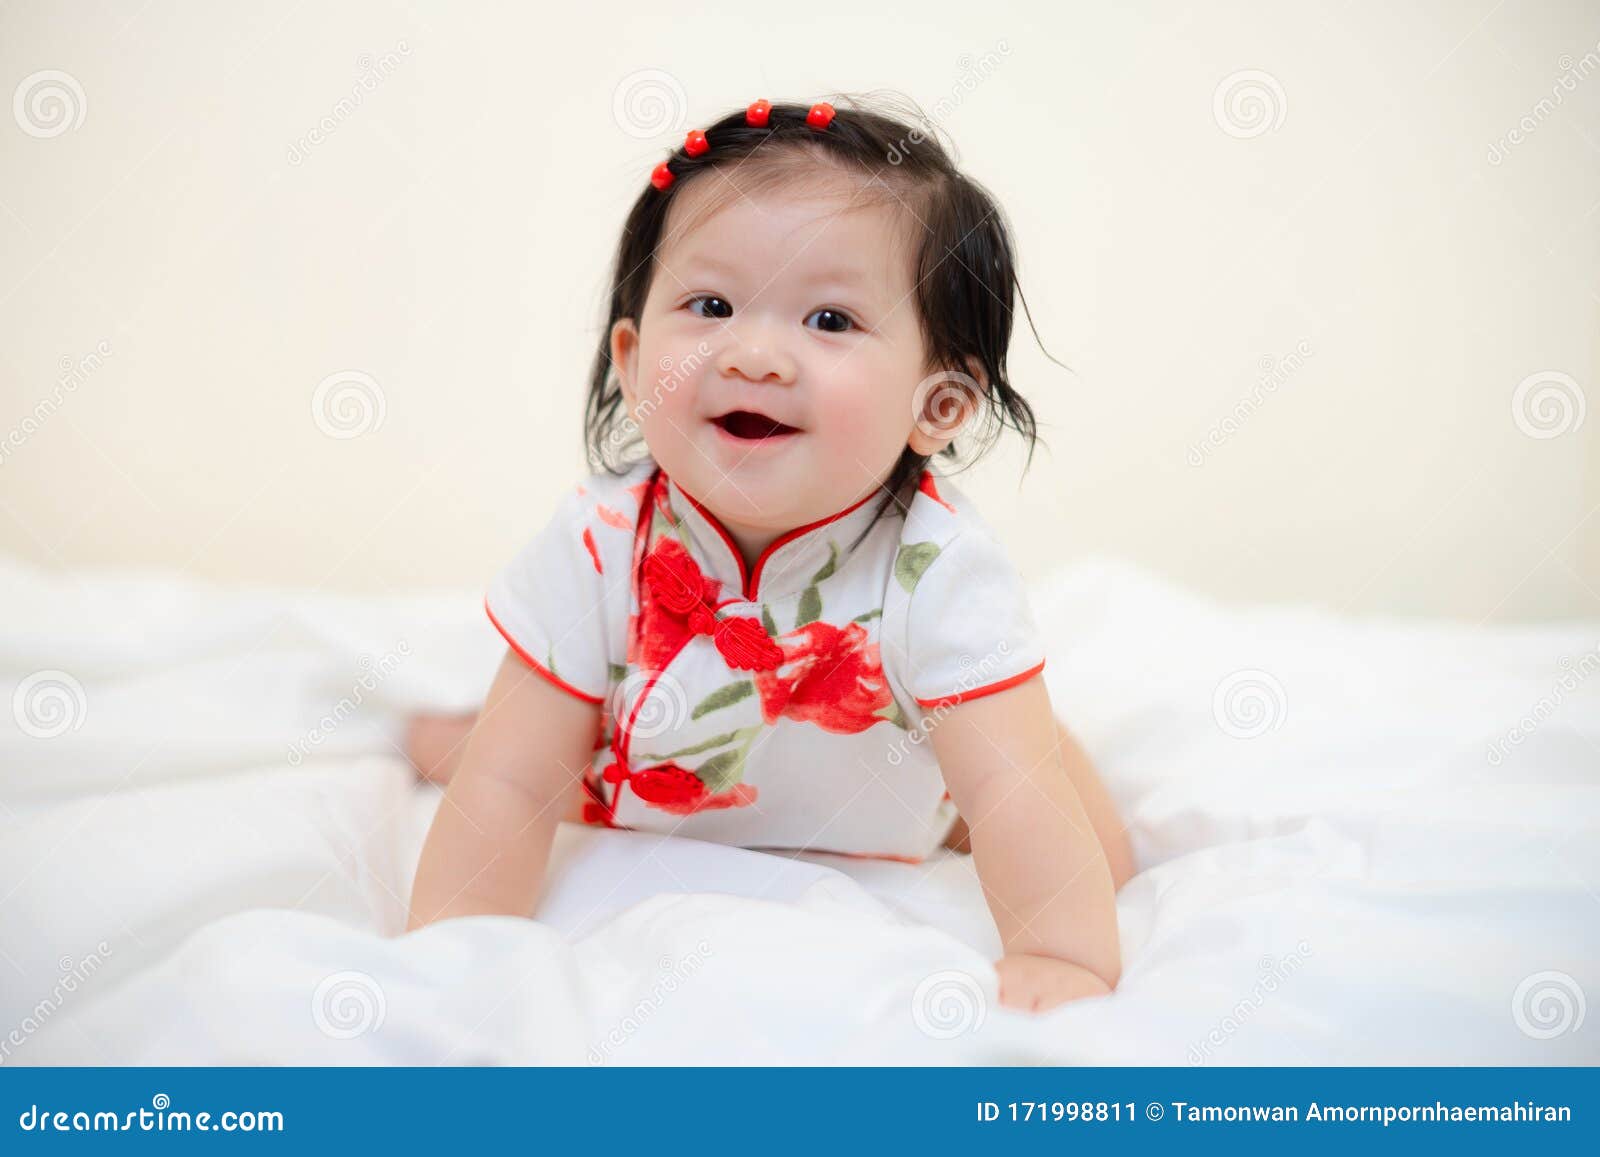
(760,499)
(767,488)
(763,501)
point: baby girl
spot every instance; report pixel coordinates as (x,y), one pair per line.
(766,621)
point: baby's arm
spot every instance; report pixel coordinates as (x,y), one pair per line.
(489,845)
(1043,870)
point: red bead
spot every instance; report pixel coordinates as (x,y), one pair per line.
(613,773)
(820,116)
(661,176)
(756,114)
(695,143)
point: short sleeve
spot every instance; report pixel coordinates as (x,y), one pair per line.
(970,629)
(550,602)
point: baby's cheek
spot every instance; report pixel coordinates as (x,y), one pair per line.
(666,420)
(867,428)
(665,379)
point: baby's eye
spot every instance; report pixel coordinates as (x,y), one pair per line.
(832,321)
(714,307)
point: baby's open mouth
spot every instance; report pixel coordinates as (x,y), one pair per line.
(753,427)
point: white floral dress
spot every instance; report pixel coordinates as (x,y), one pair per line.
(786,705)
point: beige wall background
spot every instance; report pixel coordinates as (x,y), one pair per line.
(1327,276)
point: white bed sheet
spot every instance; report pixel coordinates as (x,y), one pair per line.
(1358,884)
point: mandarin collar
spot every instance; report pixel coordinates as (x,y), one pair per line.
(795,560)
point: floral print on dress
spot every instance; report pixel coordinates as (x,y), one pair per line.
(831,676)
(820,673)
(629,573)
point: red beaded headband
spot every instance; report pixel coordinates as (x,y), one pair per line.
(818,117)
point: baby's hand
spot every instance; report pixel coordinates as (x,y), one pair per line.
(1035,983)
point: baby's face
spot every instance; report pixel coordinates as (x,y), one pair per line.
(795,307)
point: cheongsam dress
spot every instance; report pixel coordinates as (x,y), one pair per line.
(782,705)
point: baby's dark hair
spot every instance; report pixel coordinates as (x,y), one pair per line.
(964,267)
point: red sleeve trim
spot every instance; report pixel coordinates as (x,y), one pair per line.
(980,692)
(538,666)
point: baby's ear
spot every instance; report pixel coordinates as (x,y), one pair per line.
(625,358)
(944,402)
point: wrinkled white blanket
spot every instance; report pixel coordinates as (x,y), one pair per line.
(1360,842)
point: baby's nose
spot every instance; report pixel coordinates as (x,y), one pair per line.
(758,355)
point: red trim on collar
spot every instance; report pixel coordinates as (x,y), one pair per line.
(750,581)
